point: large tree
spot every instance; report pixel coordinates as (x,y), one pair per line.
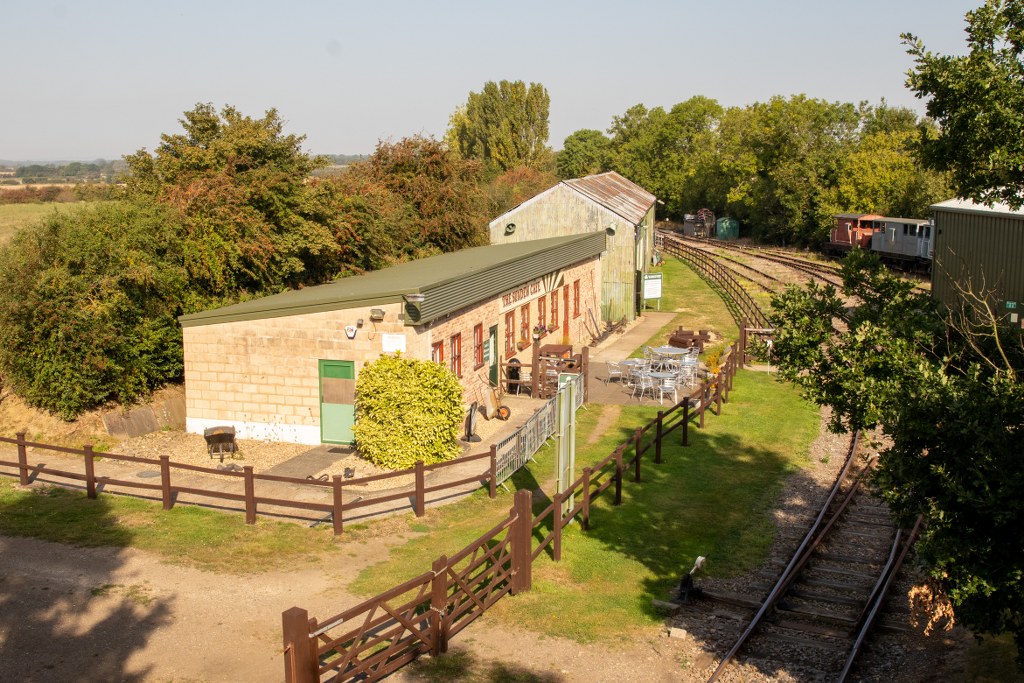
(411,198)
(978,101)
(253,221)
(504,125)
(944,386)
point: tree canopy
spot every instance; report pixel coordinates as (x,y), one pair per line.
(945,389)
(504,125)
(782,167)
(252,221)
(978,101)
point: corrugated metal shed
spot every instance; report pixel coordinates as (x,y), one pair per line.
(447,282)
(614,192)
(979,246)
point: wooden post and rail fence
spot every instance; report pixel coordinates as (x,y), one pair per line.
(386,632)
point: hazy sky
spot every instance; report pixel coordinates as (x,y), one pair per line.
(87,80)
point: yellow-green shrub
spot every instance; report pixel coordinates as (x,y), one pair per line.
(407,410)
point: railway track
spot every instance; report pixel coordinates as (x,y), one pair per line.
(814,620)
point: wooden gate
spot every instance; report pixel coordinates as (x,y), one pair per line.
(379,636)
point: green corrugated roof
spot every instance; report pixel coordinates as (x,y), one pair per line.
(472,275)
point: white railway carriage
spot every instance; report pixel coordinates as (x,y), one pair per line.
(905,240)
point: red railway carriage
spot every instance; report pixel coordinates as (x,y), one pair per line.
(855,229)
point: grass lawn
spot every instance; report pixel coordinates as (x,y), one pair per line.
(710,499)
(186,535)
(698,306)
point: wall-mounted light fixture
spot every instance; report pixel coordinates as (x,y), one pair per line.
(610,230)
(376,314)
(510,228)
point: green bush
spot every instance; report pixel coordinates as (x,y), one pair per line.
(407,410)
(88,307)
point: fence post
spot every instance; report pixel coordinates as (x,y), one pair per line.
(165,482)
(90,472)
(521,538)
(724,382)
(338,514)
(703,402)
(494,472)
(300,665)
(657,438)
(585,369)
(718,394)
(22,459)
(586,499)
(439,607)
(250,495)
(637,437)
(556,528)
(420,504)
(618,476)
(686,422)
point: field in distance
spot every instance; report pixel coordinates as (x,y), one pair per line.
(13,217)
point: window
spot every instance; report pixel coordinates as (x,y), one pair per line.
(456,348)
(478,346)
(576,298)
(510,333)
(554,309)
(542,314)
(524,324)
(437,352)
(906,229)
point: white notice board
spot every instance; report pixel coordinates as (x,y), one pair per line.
(652,286)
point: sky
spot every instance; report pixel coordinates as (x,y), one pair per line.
(96,79)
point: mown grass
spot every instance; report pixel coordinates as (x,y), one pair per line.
(698,306)
(709,499)
(187,535)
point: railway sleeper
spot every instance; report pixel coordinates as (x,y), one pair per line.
(806,592)
(846,577)
(835,558)
(797,609)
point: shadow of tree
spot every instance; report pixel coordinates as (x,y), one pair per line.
(461,666)
(63,616)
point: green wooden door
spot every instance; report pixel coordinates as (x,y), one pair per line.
(491,353)
(337,400)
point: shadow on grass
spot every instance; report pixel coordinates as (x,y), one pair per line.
(460,666)
(62,615)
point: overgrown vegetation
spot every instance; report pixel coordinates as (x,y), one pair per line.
(407,410)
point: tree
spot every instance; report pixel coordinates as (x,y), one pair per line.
(585,152)
(505,125)
(88,311)
(412,198)
(253,222)
(407,410)
(945,388)
(978,101)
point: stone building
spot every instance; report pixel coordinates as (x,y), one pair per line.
(283,367)
(604,203)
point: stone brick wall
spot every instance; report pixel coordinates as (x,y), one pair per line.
(262,376)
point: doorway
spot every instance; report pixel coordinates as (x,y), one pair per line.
(337,401)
